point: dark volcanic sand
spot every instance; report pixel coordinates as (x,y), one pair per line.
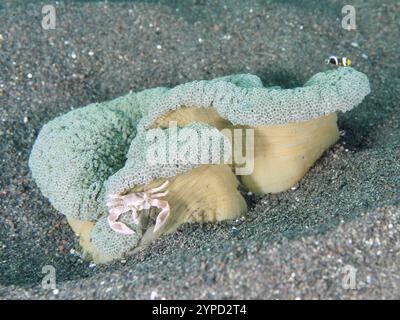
(346,211)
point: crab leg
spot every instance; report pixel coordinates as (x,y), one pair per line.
(157,189)
(118,226)
(163,215)
(159,195)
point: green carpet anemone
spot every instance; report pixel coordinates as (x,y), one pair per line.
(93,163)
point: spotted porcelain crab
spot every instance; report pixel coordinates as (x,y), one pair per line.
(136,202)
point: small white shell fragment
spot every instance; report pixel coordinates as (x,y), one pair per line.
(153,295)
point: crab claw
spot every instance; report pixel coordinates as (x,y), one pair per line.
(118,226)
(163,215)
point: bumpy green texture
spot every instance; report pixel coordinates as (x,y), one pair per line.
(203,93)
(243,100)
(203,144)
(106,148)
(112,243)
(176,150)
(76,152)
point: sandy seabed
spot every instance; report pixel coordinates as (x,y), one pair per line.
(295,244)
